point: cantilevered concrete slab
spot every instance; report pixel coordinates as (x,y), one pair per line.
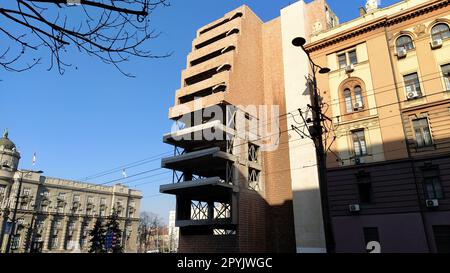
(205,190)
(201,160)
(212,223)
(200,135)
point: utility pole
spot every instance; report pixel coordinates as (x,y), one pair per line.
(316,134)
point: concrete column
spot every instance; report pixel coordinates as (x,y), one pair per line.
(77,235)
(64,225)
(47,233)
(2,229)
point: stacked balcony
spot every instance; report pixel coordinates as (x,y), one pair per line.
(203,163)
(209,65)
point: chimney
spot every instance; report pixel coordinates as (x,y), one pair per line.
(371,5)
(362,11)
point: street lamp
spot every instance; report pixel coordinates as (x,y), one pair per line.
(13,220)
(316,136)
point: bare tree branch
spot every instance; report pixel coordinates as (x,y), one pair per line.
(110,30)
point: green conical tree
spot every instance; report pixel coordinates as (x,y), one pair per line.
(112,226)
(97,238)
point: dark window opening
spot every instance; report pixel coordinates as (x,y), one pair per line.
(237,15)
(364,188)
(371,234)
(217,38)
(442,238)
(202,93)
(212,55)
(432,183)
(201,77)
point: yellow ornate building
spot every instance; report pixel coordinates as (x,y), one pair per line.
(388,96)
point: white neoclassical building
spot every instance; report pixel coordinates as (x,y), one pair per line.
(56,215)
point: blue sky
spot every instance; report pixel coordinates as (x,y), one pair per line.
(94,119)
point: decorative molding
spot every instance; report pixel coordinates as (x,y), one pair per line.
(385,21)
(420,30)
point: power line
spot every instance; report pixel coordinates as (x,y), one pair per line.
(126,166)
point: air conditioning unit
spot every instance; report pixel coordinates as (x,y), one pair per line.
(436,44)
(432,203)
(354,208)
(410,95)
(401,53)
(349,69)
(358,106)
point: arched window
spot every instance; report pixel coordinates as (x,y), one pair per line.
(358,97)
(440,32)
(348,100)
(404,42)
(352,96)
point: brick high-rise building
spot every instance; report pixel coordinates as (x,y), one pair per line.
(234,191)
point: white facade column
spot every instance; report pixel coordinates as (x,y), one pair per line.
(309,228)
(63,237)
(47,233)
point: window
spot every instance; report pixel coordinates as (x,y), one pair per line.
(54,242)
(40,224)
(103,201)
(359,143)
(412,86)
(440,32)
(350,57)
(102,211)
(76,198)
(371,234)
(62,196)
(446,75)
(348,100)
(46,194)
(15,244)
(56,224)
(90,200)
(44,207)
(342,60)
(432,183)
(433,188)
(404,42)
(422,132)
(353,97)
(60,209)
(364,188)
(26,191)
(442,238)
(83,243)
(71,226)
(358,97)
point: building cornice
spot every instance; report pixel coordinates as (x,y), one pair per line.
(383,21)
